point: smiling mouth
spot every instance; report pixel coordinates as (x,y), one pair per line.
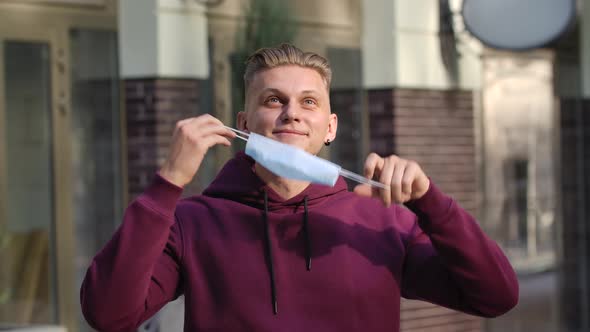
(287,131)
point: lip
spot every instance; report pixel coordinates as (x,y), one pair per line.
(289,131)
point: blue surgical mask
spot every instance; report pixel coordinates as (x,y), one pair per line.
(290,162)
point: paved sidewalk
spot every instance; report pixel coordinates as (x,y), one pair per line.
(537,310)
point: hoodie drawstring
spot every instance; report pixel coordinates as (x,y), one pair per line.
(306,235)
(268,249)
(271,270)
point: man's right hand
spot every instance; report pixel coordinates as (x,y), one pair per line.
(191,140)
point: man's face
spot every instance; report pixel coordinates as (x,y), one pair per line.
(290,104)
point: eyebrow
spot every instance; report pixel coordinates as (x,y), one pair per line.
(310,92)
(273,90)
(277,91)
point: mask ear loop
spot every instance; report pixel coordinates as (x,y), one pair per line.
(239,134)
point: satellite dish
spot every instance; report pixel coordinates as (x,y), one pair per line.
(517,24)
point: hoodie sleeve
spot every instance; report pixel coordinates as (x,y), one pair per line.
(137,272)
(451,262)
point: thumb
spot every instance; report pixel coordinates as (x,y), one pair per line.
(363,190)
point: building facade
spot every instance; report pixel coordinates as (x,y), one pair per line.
(90,91)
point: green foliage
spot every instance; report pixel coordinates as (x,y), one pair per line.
(267,23)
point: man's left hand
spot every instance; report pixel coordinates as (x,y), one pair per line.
(406,179)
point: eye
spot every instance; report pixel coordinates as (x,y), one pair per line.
(273,100)
(309,101)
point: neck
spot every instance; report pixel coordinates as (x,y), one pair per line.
(286,188)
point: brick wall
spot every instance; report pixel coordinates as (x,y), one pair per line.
(153,106)
(575,200)
(347,149)
(436,129)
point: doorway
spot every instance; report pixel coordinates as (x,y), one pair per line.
(61,148)
(28,218)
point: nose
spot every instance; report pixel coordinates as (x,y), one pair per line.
(290,113)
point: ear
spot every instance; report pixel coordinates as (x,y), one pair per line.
(241,121)
(332,127)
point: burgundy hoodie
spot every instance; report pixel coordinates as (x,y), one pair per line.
(325,260)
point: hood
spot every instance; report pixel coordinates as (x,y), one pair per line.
(237,181)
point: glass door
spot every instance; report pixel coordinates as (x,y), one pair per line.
(61,178)
(33,200)
(27,225)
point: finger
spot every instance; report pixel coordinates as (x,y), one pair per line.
(408,180)
(215,138)
(363,190)
(183,122)
(373,167)
(198,121)
(373,164)
(225,132)
(203,130)
(385,178)
(201,119)
(208,118)
(396,181)
(212,140)
(225,142)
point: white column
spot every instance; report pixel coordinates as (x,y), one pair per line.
(401,47)
(163,38)
(378,44)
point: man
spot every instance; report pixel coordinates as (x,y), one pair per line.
(242,252)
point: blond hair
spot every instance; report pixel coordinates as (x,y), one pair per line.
(284,55)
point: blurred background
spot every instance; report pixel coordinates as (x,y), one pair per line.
(90,91)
